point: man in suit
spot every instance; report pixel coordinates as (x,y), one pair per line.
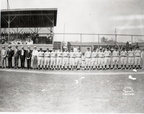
(10,53)
(16,57)
(28,57)
(3,57)
(22,57)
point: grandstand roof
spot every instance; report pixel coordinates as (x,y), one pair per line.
(29,18)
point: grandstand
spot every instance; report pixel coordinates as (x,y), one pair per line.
(33,19)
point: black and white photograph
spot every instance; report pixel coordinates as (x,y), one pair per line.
(72,56)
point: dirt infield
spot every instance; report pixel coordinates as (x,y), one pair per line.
(92,92)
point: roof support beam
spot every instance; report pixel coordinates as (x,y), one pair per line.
(50,19)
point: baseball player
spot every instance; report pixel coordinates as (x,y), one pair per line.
(123,58)
(40,58)
(115,58)
(53,60)
(100,59)
(83,61)
(65,59)
(88,59)
(93,59)
(78,59)
(72,59)
(59,60)
(107,58)
(130,58)
(47,59)
(137,56)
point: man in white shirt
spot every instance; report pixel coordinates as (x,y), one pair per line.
(34,57)
(40,58)
(3,57)
(88,58)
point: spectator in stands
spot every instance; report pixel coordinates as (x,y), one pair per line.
(10,53)
(22,57)
(3,57)
(28,57)
(29,41)
(16,57)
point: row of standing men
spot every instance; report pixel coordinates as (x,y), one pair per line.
(97,59)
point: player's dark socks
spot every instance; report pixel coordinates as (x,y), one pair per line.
(109,66)
(139,66)
(117,66)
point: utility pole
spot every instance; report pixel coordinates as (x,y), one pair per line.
(8,7)
(115,35)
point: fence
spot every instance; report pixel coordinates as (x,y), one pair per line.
(85,37)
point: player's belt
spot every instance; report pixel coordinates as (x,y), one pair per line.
(137,56)
(65,56)
(41,56)
(131,56)
(47,56)
(107,56)
(123,56)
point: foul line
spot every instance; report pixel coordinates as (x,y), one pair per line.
(72,72)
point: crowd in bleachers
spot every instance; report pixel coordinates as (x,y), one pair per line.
(18,38)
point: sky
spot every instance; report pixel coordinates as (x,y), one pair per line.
(91,16)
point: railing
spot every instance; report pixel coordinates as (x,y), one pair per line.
(87,37)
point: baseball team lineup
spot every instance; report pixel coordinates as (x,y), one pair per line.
(100,58)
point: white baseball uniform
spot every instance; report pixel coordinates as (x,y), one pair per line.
(65,58)
(88,58)
(59,58)
(100,58)
(53,58)
(78,58)
(72,58)
(94,59)
(47,58)
(123,57)
(137,54)
(130,57)
(107,58)
(40,58)
(115,57)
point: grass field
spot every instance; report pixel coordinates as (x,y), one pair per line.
(71,91)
